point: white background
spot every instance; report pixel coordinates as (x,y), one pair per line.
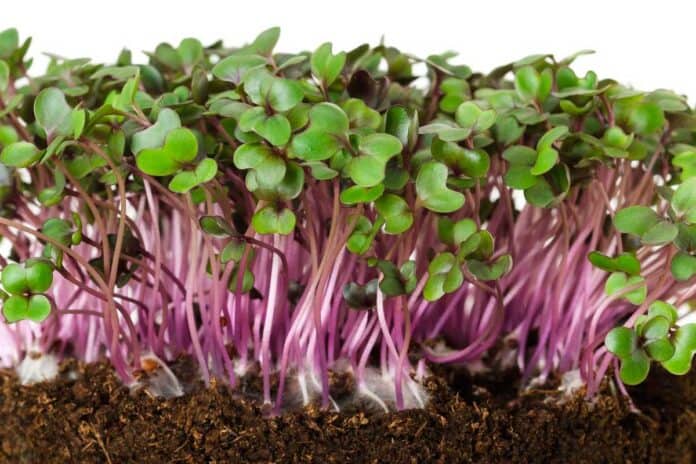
(645,44)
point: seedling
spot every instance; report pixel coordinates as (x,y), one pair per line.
(656,337)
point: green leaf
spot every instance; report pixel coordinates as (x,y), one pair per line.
(683,266)
(391,286)
(462,230)
(551,136)
(233,251)
(290,61)
(366,171)
(155,135)
(545,84)
(454,233)
(20,155)
(661,233)
(432,190)
(625,262)
(520,155)
(39,276)
(51,196)
(186,180)
(686,160)
(547,159)
(83,165)
(357,194)
(251,117)
(507,130)
(467,114)
(684,200)
(395,281)
(520,177)
(660,350)
(408,276)
(270,220)
(621,341)
(180,147)
(636,220)
(124,100)
(320,171)
(397,215)
(398,123)
(269,166)
(276,129)
(285,94)
(396,178)
(361,296)
(53,113)
(234,67)
(215,225)
(292,184)
(329,118)
(314,145)
(666,310)
(686,238)
(474,163)
(121,73)
(167,56)
(380,146)
(493,271)
(362,235)
(325,65)
(266,41)
(478,246)
(191,51)
(540,194)
(527,83)
(453,134)
(471,117)
(183,182)
(14,279)
(617,138)
(684,341)
(647,118)
(635,368)
(247,280)
(206,170)
(4,75)
(486,120)
(445,276)
(362,116)
(257,85)
(78,118)
(655,327)
(618,281)
(58,230)
(15,309)
(8,135)
(9,42)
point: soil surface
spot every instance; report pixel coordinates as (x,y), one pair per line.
(93,418)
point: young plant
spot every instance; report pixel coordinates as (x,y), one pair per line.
(655,337)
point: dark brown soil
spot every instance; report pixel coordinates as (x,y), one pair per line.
(95,419)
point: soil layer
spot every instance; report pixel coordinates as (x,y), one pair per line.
(91,418)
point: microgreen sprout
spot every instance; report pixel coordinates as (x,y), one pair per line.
(655,337)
